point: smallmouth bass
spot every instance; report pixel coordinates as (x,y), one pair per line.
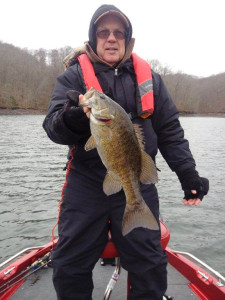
(120,146)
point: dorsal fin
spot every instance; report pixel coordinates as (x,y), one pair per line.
(148,169)
(139,134)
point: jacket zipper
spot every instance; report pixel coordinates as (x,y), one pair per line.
(116,72)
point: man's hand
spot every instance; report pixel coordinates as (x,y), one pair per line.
(194,186)
(194,201)
(86,109)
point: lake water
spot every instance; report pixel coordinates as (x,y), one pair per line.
(31,178)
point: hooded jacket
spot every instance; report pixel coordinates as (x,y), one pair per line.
(162,131)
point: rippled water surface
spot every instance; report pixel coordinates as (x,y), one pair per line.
(31,178)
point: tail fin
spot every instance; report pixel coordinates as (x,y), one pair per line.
(138,216)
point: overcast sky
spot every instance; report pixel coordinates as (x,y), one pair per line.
(186,35)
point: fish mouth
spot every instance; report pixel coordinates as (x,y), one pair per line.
(102,119)
(101,116)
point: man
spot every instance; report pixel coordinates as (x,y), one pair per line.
(85,209)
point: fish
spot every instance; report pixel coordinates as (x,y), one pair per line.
(120,145)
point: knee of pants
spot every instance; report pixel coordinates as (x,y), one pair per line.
(72,286)
(141,250)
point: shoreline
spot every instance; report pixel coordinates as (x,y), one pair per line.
(22,111)
(32,111)
(193,114)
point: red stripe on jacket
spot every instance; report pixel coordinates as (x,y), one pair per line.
(62,194)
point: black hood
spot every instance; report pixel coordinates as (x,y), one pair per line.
(103,10)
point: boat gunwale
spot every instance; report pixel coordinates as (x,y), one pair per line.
(203,284)
(216,273)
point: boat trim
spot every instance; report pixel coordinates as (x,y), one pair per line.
(216,273)
(19,253)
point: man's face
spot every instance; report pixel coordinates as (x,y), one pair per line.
(110,49)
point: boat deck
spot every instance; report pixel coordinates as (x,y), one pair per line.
(39,285)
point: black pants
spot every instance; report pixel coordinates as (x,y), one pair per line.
(83,234)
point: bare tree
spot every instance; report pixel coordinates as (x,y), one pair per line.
(27,80)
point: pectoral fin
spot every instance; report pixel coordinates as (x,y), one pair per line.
(91,144)
(111,184)
(107,133)
(148,169)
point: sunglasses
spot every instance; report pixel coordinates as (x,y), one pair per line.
(105,33)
